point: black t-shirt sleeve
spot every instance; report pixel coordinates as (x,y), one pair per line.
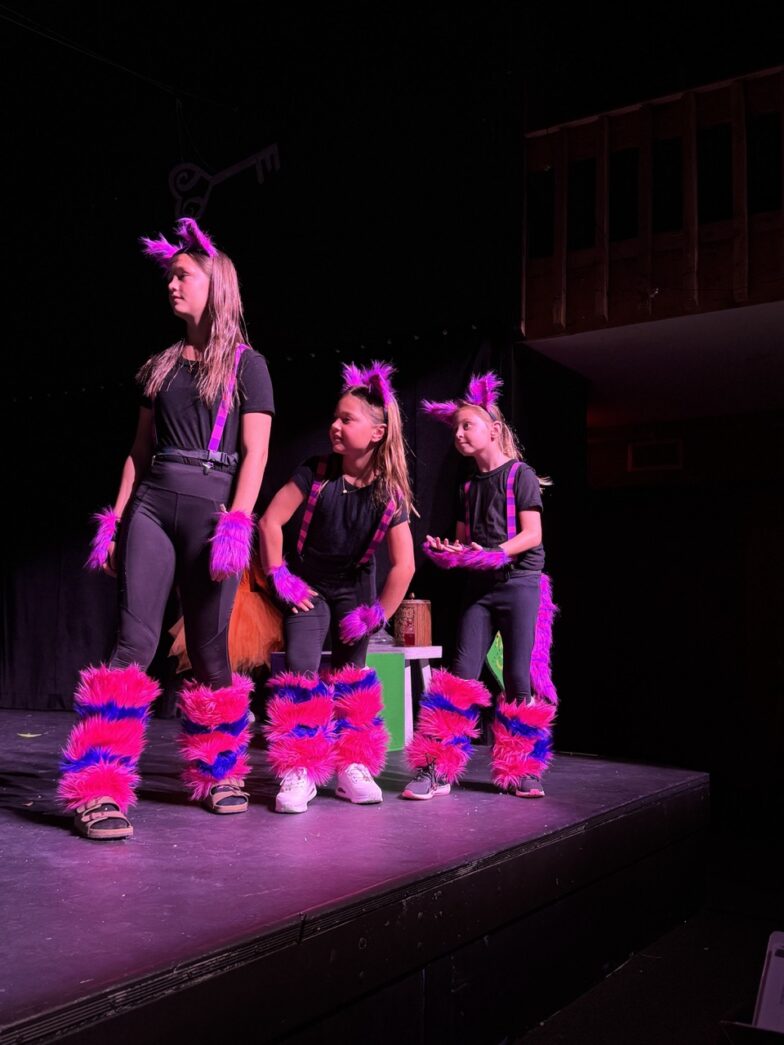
(304,474)
(528,496)
(255,386)
(400,516)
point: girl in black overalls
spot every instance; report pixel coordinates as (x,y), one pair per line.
(355,498)
(499,545)
(182,516)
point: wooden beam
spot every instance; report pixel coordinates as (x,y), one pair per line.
(645,208)
(740,208)
(560,163)
(602,222)
(781,117)
(524,245)
(691,230)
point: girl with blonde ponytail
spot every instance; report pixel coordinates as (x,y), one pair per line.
(498,549)
(355,498)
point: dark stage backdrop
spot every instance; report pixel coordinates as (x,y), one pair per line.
(396,213)
(57,617)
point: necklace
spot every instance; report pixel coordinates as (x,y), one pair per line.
(352,487)
(190,363)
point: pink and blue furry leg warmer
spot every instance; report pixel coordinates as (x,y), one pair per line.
(523,730)
(361,734)
(448,721)
(101,754)
(523,741)
(300,728)
(215,734)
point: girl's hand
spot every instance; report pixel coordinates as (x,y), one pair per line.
(441,545)
(458,546)
(304,604)
(110,564)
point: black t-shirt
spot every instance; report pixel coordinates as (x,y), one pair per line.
(184,421)
(487,509)
(343,524)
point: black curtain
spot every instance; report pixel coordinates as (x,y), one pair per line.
(57,617)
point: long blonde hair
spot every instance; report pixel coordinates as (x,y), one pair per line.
(388,460)
(507,441)
(227,330)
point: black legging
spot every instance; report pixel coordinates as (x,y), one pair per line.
(164,540)
(305,632)
(493,604)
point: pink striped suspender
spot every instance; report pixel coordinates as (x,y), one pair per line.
(380,533)
(466,510)
(212,455)
(511,512)
(225,406)
(310,507)
(315,489)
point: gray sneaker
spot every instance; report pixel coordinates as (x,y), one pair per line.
(426,784)
(530,787)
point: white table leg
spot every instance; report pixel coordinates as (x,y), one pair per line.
(424,666)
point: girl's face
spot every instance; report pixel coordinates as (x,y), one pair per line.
(473,431)
(354,429)
(189,288)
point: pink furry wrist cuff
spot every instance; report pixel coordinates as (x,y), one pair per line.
(468,558)
(288,586)
(230,546)
(362,621)
(106,522)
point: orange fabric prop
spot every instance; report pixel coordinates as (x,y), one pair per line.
(255,627)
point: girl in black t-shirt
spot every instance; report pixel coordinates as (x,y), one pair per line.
(182,516)
(354,498)
(499,544)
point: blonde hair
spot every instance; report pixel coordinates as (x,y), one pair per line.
(227,330)
(507,441)
(389,454)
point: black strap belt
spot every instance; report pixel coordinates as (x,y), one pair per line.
(206,458)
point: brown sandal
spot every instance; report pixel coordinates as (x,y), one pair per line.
(227,797)
(101,818)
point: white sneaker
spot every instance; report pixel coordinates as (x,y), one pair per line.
(296,790)
(357,785)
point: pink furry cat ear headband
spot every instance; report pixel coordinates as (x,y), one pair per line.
(376,380)
(191,239)
(483,390)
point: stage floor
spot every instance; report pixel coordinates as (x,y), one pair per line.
(298,916)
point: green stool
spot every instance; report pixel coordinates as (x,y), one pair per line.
(390,668)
